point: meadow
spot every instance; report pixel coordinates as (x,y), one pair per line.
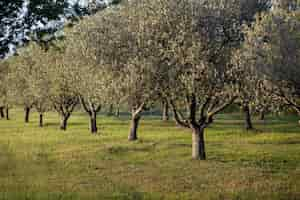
(47,163)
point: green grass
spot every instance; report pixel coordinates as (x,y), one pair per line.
(38,164)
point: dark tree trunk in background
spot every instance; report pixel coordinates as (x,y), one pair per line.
(27,112)
(92,111)
(117,113)
(41,120)
(248,122)
(198,144)
(165,113)
(7,113)
(93,122)
(64,122)
(133,129)
(2,112)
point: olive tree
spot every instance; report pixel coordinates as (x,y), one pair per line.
(119,38)
(93,79)
(62,77)
(195,44)
(39,80)
(276,62)
(6,91)
(22,67)
(3,72)
(40,86)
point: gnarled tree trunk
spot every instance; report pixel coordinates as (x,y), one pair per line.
(2,112)
(198,144)
(65,108)
(27,112)
(7,113)
(64,122)
(93,122)
(134,126)
(91,109)
(41,120)
(248,121)
(165,113)
(262,115)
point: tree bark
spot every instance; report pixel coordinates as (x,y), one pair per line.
(93,123)
(64,123)
(2,112)
(134,126)
(7,113)
(117,113)
(262,116)
(165,113)
(248,121)
(198,144)
(41,121)
(178,117)
(27,112)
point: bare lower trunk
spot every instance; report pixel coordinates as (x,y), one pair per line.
(41,121)
(198,146)
(64,123)
(133,130)
(27,112)
(117,113)
(93,123)
(298,111)
(165,113)
(262,116)
(248,121)
(7,113)
(2,112)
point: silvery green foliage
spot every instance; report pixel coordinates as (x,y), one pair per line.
(7,94)
(275,61)
(32,65)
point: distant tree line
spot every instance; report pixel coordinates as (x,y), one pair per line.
(194,57)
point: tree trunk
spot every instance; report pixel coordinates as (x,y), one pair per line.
(262,116)
(198,146)
(248,122)
(2,112)
(93,123)
(27,112)
(41,121)
(117,113)
(7,113)
(64,123)
(134,126)
(165,113)
(298,111)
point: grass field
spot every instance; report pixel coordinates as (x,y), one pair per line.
(38,164)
